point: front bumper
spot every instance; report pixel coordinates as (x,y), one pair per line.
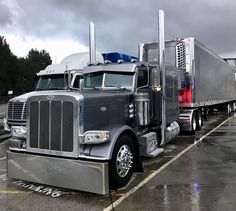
(67,173)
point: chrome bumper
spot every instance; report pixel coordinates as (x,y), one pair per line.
(67,173)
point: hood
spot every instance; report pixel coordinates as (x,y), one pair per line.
(24,97)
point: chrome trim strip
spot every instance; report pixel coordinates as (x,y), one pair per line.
(39,124)
(61,125)
(49,124)
(22,112)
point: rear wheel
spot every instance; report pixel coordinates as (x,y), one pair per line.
(233,107)
(229,109)
(121,165)
(193,123)
(199,119)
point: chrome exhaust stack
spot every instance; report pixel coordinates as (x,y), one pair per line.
(161,41)
(92,43)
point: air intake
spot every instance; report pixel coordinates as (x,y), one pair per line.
(180,56)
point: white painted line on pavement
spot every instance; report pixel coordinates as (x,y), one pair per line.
(134,189)
(3,158)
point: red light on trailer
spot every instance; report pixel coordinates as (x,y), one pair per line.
(185,96)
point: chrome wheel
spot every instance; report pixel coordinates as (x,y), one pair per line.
(194,123)
(229,109)
(124,160)
(199,119)
(122,163)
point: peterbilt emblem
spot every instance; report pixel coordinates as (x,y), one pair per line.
(103,108)
(50,97)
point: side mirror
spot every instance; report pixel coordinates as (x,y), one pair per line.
(10,93)
(81,81)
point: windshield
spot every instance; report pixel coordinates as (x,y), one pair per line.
(52,82)
(108,79)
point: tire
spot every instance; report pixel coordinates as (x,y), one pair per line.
(229,109)
(123,153)
(193,124)
(205,111)
(199,119)
(233,106)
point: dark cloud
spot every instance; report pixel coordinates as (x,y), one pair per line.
(121,25)
(5,15)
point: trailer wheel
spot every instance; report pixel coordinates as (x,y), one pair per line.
(233,106)
(193,123)
(229,109)
(199,119)
(121,165)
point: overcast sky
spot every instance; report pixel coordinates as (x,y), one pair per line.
(61,26)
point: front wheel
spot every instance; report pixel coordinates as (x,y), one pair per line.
(121,165)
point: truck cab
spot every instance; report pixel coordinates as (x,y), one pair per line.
(99,132)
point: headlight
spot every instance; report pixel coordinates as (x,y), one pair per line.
(18,131)
(5,125)
(96,137)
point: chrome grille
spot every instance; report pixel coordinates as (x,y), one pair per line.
(16,111)
(51,126)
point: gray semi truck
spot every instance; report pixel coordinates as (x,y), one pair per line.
(94,139)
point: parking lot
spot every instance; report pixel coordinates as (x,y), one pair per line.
(194,172)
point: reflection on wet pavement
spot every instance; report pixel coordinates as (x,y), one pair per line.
(202,179)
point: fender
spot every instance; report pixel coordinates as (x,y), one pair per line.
(104,151)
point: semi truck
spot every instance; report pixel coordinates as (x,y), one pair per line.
(94,139)
(53,77)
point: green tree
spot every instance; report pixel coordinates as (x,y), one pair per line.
(34,62)
(8,67)
(19,74)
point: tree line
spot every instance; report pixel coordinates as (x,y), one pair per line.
(19,74)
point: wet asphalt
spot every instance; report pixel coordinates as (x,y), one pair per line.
(203,178)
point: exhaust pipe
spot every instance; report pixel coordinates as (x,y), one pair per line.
(161,41)
(92,43)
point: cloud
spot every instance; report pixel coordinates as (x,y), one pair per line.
(5,15)
(121,25)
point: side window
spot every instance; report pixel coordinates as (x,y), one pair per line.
(77,82)
(142,77)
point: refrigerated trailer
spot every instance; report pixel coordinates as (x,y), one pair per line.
(207,81)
